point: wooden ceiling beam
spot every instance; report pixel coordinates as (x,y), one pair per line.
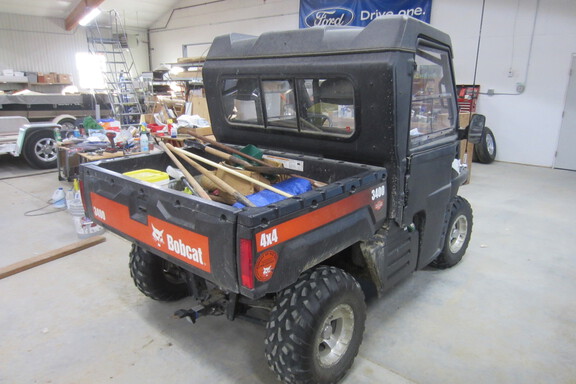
(81,10)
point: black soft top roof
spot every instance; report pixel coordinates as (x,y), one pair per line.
(383,33)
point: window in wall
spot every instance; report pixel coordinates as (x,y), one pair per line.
(91,70)
(433,105)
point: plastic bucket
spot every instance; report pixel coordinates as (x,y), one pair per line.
(83,226)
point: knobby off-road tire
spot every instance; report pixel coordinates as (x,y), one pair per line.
(40,149)
(155,277)
(458,234)
(316,327)
(485,150)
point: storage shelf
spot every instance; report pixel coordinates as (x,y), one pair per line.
(14,79)
(50,84)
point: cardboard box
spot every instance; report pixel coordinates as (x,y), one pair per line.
(41,77)
(50,78)
(241,185)
(64,78)
(148,118)
(464,118)
(200,107)
(466,155)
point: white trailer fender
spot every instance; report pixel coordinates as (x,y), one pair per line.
(60,119)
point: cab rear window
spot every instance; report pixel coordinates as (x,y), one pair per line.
(314,106)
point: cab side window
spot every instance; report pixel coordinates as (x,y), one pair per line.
(433,112)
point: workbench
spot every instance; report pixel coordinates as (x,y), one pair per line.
(70,158)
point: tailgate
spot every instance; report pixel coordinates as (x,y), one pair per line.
(191,232)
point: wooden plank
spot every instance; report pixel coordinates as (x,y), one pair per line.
(49,256)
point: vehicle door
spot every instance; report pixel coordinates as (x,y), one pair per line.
(432,147)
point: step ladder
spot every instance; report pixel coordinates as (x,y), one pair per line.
(107,37)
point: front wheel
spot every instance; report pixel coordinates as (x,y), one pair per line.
(458,234)
(155,277)
(40,149)
(316,327)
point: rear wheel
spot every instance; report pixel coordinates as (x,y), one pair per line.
(458,235)
(316,327)
(40,149)
(155,277)
(68,126)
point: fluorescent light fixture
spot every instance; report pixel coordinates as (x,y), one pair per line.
(89,17)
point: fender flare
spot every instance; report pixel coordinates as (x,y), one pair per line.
(58,118)
(28,129)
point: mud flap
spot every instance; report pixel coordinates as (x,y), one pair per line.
(391,255)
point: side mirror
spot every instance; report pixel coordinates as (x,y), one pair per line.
(475,128)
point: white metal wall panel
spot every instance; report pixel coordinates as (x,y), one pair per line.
(37,44)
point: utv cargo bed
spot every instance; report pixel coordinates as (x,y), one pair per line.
(206,237)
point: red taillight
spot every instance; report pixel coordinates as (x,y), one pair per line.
(246,259)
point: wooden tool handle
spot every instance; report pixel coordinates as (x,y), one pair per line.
(229,149)
(197,187)
(233,172)
(224,147)
(215,179)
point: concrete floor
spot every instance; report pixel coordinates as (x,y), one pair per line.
(506,314)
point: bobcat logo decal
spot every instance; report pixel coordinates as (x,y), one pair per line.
(158,235)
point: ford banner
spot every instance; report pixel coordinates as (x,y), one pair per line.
(359,12)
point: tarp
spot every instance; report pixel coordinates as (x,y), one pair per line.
(46,98)
(359,12)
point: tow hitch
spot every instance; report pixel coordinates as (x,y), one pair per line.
(193,314)
(213,305)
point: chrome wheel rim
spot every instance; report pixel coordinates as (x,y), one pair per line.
(458,233)
(45,150)
(490,145)
(335,335)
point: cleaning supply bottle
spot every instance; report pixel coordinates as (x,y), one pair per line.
(144,143)
(57,135)
(59,198)
(76,188)
(69,197)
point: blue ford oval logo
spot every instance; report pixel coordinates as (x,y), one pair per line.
(330,16)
